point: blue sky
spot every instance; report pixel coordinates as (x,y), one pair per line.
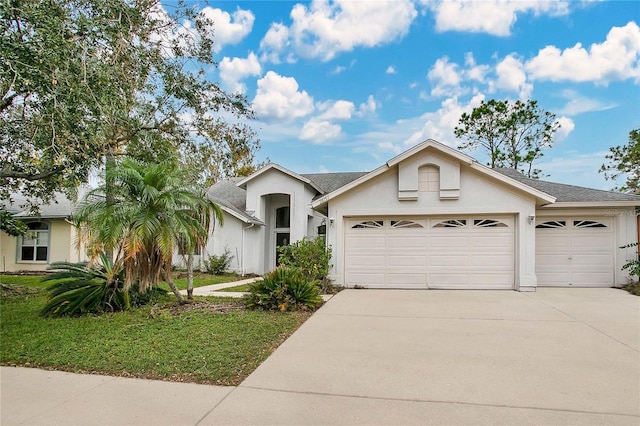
(346,85)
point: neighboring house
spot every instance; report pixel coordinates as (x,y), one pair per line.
(432,217)
(51,238)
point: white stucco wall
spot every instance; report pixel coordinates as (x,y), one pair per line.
(62,247)
(479,194)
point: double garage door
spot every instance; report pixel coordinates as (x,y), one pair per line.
(474,252)
(465,252)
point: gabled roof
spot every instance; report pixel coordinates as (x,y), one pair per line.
(571,193)
(541,196)
(60,208)
(232,199)
(272,166)
(329,182)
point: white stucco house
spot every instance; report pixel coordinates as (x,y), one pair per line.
(431,217)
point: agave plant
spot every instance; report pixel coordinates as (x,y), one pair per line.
(83,288)
(285,289)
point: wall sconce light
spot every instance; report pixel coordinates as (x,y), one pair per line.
(331,220)
(531,218)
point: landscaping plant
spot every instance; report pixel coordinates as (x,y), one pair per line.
(285,289)
(218,265)
(312,257)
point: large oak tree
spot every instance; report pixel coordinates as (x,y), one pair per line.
(624,161)
(85,80)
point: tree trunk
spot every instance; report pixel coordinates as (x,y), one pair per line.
(174,289)
(109,167)
(190,276)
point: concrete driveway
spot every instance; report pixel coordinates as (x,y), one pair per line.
(557,356)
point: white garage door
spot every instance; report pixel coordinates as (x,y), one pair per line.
(471,252)
(575,252)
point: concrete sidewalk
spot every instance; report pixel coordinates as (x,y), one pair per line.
(213,290)
(557,356)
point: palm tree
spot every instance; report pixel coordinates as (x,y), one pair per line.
(149,212)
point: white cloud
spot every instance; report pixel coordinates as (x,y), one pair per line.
(388,146)
(617,58)
(474,71)
(229,28)
(339,110)
(512,77)
(390,70)
(338,69)
(494,17)
(445,78)
(325,28)
(439,125)
(236,69)
(577,104)
(566,127)
(274,42)
(368,107)
(278,97)
(319,131)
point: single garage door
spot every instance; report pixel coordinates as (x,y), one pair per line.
(575,252)
(452,252)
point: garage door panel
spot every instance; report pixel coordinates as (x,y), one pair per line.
(366,243)
(575,255)
(407,242)
(480,260)
(367,260)
(449,242)
(407,261)
(448,260)
(407,280)
(366,280)
(491,241)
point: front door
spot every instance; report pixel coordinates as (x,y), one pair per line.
(282,239)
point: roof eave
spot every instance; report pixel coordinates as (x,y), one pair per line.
(573,204)
(430,142)
(320,202)
(242,218)
(243,183)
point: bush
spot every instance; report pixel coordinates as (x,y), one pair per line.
(311,256)
(633,266)
(218,265)
(285,289)
(85,289)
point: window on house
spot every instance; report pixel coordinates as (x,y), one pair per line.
(489,223)
(451,223)
(405,224)
(34,246)
(428,179)
(282,217)
(550,224)
(368,224)
(588,224)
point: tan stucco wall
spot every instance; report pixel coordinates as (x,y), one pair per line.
(62,247)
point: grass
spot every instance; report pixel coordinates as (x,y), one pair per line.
(192,343)
(633,288)
(238,288)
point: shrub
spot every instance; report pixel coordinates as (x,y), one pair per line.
(311,256)
(85,289)
(633,265)
(218,265)
(285,289)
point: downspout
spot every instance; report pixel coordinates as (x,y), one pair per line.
(242,248)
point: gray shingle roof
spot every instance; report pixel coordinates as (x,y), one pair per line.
(329,182)
(61,207)
(569,193)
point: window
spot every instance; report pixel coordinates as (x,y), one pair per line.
(282,217)
(405,224)
(552,224)
(428,179)
(451,223)
(368,224)
(488,223)
(588,224)
(34,246)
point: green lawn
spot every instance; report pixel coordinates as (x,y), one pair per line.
(190,343)
(239,288)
